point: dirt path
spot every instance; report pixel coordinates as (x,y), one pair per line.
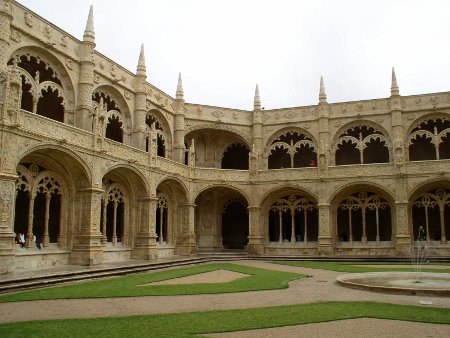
(320,287)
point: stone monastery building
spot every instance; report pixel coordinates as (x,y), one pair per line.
(98,165)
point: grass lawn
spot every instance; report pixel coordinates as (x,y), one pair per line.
(193,324)
(351,267)
(260,279)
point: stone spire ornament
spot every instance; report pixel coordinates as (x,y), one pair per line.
(89,34)
(322,94)
(394,86)
(141,63)
(180,94)
(257,100)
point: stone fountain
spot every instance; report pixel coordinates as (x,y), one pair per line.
(417,282)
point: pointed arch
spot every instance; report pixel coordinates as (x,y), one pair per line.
(47,88)
(291,148)
(429,138)
(361,142)
(117,111)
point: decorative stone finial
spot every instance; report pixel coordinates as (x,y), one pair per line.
(394,86)
(257,101)
(179,95)
(322,94)
(89,35)
(141,63)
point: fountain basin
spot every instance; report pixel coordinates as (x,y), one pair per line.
(413,283)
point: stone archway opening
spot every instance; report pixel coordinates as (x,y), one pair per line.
(292,219)
(45,197)
(235,224)
(221,219)
(363,216)
(430,211)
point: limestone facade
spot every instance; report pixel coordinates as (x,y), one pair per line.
(99,165)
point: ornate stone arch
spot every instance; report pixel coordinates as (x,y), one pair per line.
(276,134)
(179,182)
(242,136)
(139,181)
(117,103)
(429,210)
(429,133)
(390,195)
(229,186)
(25,181)
(291,142)
(162,128)
(342,136)
(64,86)
(59,148)
(364,211)
(285,189)
(290,215)
(115,220)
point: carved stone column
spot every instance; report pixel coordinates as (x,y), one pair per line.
(45,239)
(145,241)
(5,31)
(402,237)
(7,202)
(325,239)
(186,244)
(87,249)
(255,245)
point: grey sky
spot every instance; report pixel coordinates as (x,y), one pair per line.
(223,48)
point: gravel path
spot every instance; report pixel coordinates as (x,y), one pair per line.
(320,286)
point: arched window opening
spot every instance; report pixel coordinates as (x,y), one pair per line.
(162,210)
(364,216)
(21,213)
(160,140)
(430,140)
(186,154)
(51,105)
(114,129)
(347,153)
(235,224)
(292,150)
(38,205)
(108,101)
(112,213)
(361,145)
(431,212)
(47,210)
(293,219)
(236,157)
(42,91)
(279,158)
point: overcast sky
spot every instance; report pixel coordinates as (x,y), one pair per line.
(223,48)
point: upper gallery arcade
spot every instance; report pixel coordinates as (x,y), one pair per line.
(99,165)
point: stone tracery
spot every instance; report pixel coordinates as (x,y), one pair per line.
(361,144)
(363,216)
(286,217)
(430,140)
(292,149)
(431,210)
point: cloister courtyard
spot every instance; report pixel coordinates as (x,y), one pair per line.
(239,298)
